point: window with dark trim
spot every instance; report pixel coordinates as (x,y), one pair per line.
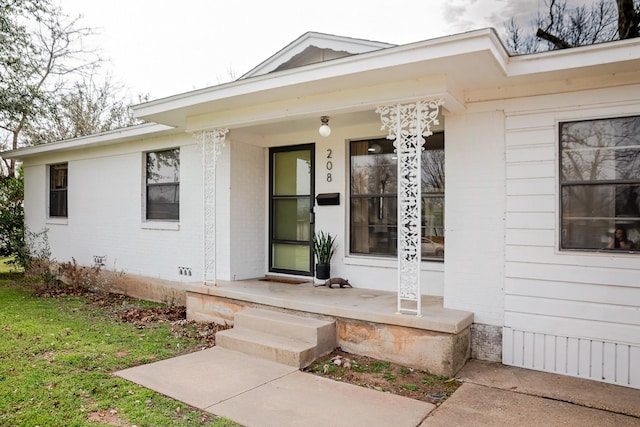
(163,185)
(373,210)
(600,184)
(58,190)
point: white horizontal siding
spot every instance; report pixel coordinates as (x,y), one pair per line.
(532,203)
(546,152)
(572,273)
(524,237)
(531,220)
(541,169)
(546,252)
(524,122)
(623,296)
(532,136)
(571,309)
(570,312)
(531,186)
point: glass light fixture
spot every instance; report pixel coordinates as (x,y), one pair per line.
(324,129)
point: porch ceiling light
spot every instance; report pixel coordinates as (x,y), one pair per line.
(324,130)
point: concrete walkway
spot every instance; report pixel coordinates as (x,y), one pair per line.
(497,395)
(255,392)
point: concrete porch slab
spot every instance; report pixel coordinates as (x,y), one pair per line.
(366,320)
(350,303)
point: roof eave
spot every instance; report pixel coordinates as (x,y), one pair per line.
(116,136)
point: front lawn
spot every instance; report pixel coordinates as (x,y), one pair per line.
(57,356)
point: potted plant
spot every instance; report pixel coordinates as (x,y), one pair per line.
(323,247)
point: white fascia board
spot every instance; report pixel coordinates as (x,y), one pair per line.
(435,49)
(117,136)
(600,54)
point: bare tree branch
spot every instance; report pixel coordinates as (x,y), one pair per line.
(558,43)
(561,27)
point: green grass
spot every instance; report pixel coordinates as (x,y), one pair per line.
(57,356)
(6,267)
(376,366)
(428,381)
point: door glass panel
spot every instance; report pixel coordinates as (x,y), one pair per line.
(291,257)
(291,203)
(292,173)
(291,221)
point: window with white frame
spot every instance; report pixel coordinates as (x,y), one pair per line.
(600,184)
(163,185)
(373,198)
(58,190)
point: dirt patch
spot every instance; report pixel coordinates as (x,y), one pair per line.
(384,376)
(108,417)
(148,317)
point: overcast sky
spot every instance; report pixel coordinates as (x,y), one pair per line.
(162,47)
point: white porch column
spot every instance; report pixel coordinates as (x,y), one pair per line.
(211,143)
(407,124)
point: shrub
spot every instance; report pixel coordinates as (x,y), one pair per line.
(11,216)
(34,255)
(79,277)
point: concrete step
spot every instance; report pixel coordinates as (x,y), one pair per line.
(322,333)
(280,337)
(287,351)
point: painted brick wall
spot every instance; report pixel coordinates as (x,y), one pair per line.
(248,211)
(106,216)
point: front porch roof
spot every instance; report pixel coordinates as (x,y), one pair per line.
(353,83)
(461,68)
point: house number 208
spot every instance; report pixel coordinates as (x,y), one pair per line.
(329,165)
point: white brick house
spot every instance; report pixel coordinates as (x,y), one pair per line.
(540,155)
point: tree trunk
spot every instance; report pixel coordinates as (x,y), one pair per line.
(628,20)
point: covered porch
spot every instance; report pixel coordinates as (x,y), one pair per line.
(366,319)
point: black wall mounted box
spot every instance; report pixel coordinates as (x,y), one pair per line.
(328,199)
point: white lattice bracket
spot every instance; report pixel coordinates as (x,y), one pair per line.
(211,143)
(408,125)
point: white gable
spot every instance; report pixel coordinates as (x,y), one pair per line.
(314,47)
